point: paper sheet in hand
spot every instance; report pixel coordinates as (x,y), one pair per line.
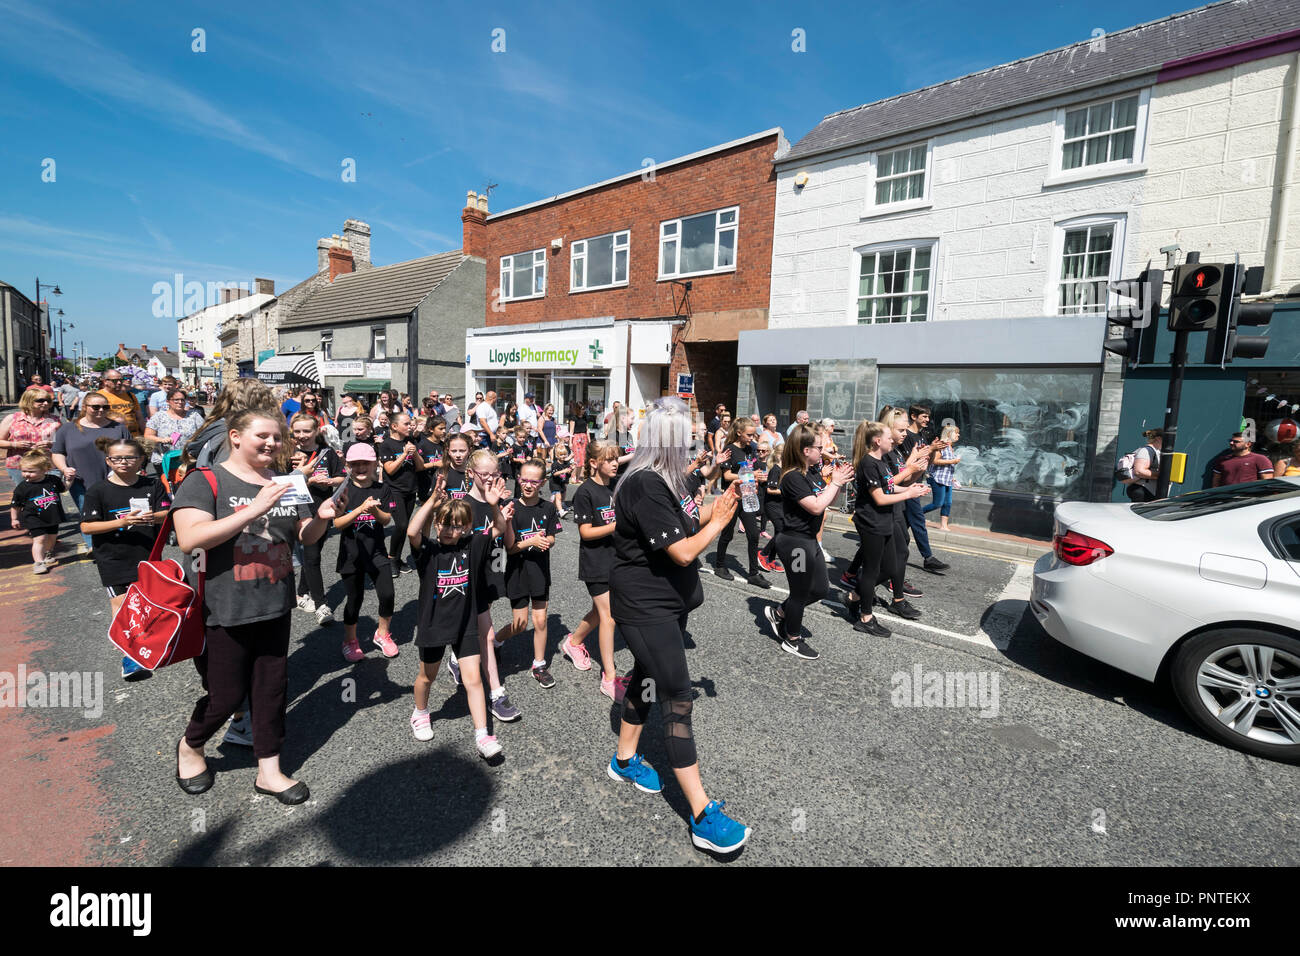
(139,504)
(297,493)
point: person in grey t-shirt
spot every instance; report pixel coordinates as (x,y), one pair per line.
(245,536)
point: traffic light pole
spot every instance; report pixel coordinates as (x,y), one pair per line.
(1177,363)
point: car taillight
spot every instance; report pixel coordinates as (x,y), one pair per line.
(1079,549)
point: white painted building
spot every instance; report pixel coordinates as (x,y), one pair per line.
(1019,193)
(201,330)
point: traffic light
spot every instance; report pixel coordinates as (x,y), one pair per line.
(1223,344)
(1197,296)
(1138,308)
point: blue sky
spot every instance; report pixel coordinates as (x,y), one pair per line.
(225,165)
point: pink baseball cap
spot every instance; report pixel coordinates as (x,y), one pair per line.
(362,451)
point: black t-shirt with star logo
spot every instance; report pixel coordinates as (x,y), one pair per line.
(593,504)
(646,585)
(528,573)
(449,578)
(795,486)
(361,544)
(492,569)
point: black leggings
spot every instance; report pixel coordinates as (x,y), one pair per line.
(403,508)
(247,662)
(772,512)
(310,580)
(889,571)
(879,554)
(749,520)
(356,585)
(660,674)
(805,570)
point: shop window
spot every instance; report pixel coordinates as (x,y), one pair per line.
(1027,431)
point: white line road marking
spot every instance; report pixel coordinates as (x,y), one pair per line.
(996,633)
(1007,610)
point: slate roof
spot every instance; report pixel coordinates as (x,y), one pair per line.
(1131,53)
(374,293)
(170,360)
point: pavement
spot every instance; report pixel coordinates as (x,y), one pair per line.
(1052,759)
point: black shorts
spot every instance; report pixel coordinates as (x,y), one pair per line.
(597,588)
(42,532)
(116,590)
(519,603)
(467,646)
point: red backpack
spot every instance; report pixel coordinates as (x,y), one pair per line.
(161,620)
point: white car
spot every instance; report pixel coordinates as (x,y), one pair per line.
(1201,590)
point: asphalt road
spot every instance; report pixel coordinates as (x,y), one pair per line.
(1062,761)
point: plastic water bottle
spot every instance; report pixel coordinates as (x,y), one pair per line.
(748,488)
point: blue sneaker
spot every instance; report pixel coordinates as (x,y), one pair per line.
(133,671)
(638,773)
(717,831)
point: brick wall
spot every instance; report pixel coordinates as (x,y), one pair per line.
(742,176)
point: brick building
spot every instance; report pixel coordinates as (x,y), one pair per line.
(609,292)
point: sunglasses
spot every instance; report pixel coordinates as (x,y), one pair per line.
(42,401)
(97,408)
(530,481)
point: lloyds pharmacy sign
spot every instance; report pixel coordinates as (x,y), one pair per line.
(590,355)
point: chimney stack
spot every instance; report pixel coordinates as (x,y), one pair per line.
(340,260)
(264,286)
(474,226)
(357,235)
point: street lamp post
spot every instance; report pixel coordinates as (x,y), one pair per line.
(54,288)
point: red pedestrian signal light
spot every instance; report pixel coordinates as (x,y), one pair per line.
(1194,301)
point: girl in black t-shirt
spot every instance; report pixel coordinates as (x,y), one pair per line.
(528,566)
(593,509)
(36,507)
(769,496)
(487,491)
(878,494)
(432,449)
(804,499)
(323,471)
(453,475)
(503,447)
(402,464)
(558,477)
(451,560)
(744,451)
(122,514)
(362,517)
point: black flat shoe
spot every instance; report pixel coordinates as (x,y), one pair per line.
(295,795)
(200,783)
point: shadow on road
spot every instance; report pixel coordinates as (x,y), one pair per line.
(1035,650)
(459,788)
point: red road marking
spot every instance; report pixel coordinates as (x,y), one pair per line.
(56,813)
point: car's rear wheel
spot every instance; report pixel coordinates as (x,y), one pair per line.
(1243,687)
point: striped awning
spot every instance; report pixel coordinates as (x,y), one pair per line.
(293,368)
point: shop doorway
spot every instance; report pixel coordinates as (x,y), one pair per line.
(504,387)
(591,392)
